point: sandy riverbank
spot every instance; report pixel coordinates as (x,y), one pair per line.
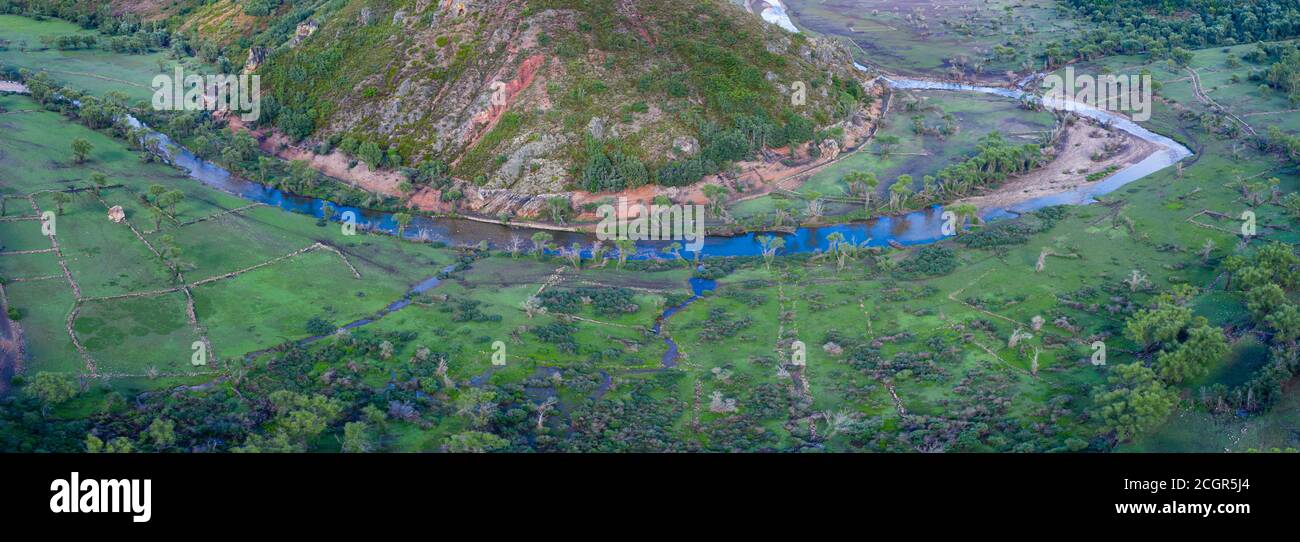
(1072,164)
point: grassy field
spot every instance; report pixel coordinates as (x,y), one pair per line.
(923,37)
(97,71)
(1224,77)
(238,262)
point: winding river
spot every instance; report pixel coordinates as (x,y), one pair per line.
(914,228)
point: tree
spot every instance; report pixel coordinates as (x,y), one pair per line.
(1285,322)
(155,192)
(1264,300)
(298,418)
(1207,250)
(170,200)
(98,181)
(840,249)
(1160,325)
(158,215)
(887,144)
(1205,345)
(965,212)
(1133,401)
(541,240)
(675,250)
(52,388)
(559,208)
(626,248)
(477,405)
(816,206)
(264,168)
(574,255)
(717,196)
(94,444)
(782,210)
(862,184)
(171,251)
(770,245)
(516,246)
(326,213)
(403,220)
(162,433)
(61,199)
(899,192)
(81,150)
(356,438)
(475,442)
(119,445)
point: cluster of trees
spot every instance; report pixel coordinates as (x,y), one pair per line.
(71,42)
(1163,29)
(260,8)
(995,160)
(1282,71)
(606,301)
(127,33)
(929,261)
(1269,280)
(609,166)
(1177,347)
(212,139)
(96,113)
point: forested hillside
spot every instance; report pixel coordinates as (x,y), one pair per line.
(537,96)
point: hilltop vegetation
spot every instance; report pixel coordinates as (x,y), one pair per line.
(538,96)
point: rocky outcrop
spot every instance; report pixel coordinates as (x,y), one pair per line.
(256,56)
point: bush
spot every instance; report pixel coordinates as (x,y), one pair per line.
(931,261)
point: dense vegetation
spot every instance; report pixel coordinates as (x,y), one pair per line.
(1169,30)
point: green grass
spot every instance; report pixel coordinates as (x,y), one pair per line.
(951,28)
(45,306)
(108,259)
(131,336)
(97,71)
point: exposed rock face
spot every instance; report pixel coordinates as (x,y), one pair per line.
(116,214)
(304,31)
(518,163)
(596,127)
(256,56)
(830,149)
(686,147)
